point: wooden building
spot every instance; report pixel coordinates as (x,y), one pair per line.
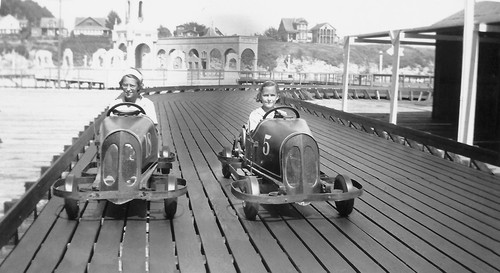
(293,30)
(9,25)
(91,26)
(324,33)
(477,82)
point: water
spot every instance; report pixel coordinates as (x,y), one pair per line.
(35,125)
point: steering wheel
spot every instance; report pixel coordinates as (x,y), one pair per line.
(120,113)
(297,115)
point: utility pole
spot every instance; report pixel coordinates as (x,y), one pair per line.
(59,45)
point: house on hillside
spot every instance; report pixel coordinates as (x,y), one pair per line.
(49,28)
(9,25)
(182,31)
(91,26)
(293,30)
(324,33)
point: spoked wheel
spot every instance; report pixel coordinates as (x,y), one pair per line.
(170,204)
(343,182)
(71,205)
(250,208)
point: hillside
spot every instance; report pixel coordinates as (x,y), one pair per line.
(272,55)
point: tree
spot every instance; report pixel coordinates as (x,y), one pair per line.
(200,29)
(272,33)
(113,19)
(164,32)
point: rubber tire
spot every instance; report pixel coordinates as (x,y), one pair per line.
(72,208)
(170,204)
(250,208)
(343,182)
(225,171)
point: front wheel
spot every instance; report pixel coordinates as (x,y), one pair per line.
(170,204)
(72,208)
(250,208)
(226,172)
(344,183)
(71,205)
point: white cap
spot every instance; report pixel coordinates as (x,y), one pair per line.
(135,72)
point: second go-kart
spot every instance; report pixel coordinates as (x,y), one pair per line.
(128,165)
(279,163)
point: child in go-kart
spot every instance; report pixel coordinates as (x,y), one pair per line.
(268,95)
(131,83)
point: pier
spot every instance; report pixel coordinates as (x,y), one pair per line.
(429,204)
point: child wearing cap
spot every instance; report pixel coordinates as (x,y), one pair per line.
(131,84)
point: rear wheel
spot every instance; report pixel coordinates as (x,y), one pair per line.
(250,208)
(343,182)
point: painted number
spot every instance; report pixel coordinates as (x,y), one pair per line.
(266,147)
(149,146)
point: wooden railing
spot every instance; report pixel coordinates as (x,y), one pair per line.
(471,156)
(27,204)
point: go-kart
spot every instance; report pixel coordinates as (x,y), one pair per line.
(128,165)
(278,163)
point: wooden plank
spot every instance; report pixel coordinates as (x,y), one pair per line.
(162,256)
(187,240)
(442,244)
(423,199)
(301,257)
(218,257)
(80,248)
(107,246)
(133,254)
(326,235)
(53,246)
(391,253)
(20,257)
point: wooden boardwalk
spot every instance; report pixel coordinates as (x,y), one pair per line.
(418,213)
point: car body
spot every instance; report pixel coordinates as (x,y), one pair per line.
(281,162)
(128,165)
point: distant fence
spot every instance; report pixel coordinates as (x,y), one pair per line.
(100,78)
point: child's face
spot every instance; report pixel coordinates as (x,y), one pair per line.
(269,96)
(130,87)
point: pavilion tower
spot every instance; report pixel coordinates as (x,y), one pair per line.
(134,36)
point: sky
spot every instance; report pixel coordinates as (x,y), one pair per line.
(255,16)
